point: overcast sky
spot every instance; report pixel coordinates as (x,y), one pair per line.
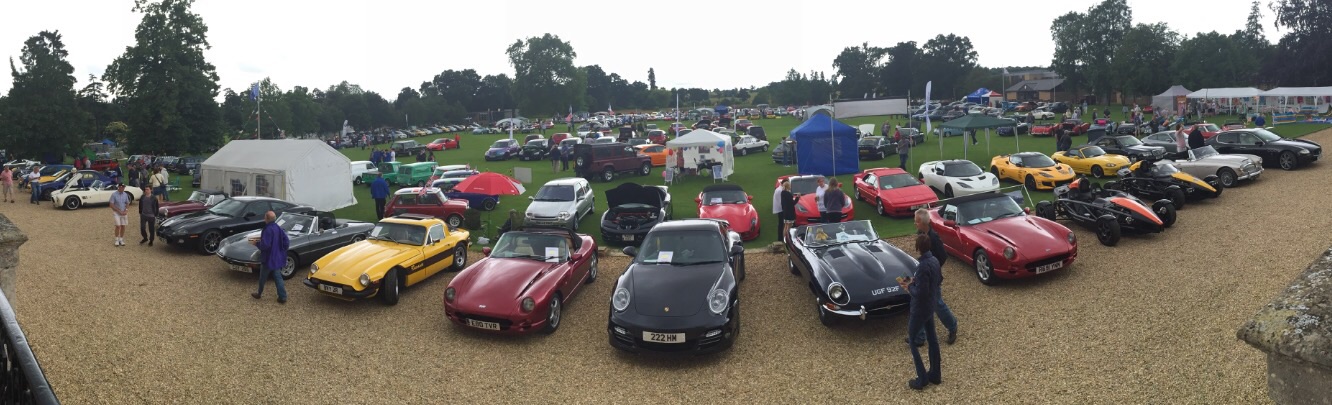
(386,45)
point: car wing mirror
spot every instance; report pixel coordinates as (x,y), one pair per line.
(950,223)
(485,251)
(737,249)
(630,251)
(248,215)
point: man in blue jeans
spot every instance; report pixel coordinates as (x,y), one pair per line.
(941,309)
(379,190)
(922,288)
(272,244)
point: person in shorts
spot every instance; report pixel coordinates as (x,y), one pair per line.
(119,207)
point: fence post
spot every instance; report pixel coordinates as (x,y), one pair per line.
(10,240)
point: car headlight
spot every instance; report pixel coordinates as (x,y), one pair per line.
(314,268)
(620,301)
(753,222)
(1047,175)
(564,215)
(1009,253)
(801,208)
(964,185)
(837,293)
(717,301)
(994,181)
(1071,238)
(449,294)
(1110,165)
(531,215)
(527,305)
(365,280)
(1304,152)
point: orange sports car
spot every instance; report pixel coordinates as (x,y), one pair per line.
(1033,169)
(656,152)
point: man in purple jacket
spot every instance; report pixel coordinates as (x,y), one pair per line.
(272,244)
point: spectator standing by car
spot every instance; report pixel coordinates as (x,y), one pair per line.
(1259,121)
(155,181)
(379,190)
(392,155)
(554,158)
(922,288)
(1181,141)
(374,156)
(565,151)
(148,217)
(788,203)
(833,200)
(120,214)
(777,206)
(7,185)
(903,149)
(1196,138)
(937,249)
(272,244)
(818,197)
(33,177)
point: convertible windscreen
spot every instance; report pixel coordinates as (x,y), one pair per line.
(296,223)
(522,245)
(399,233)
(725,197)
(845,232)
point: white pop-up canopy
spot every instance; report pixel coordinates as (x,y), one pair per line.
(1229,92)
(300,171)
(701,145)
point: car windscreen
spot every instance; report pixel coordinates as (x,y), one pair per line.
(296,223)
(1162,169)
(229,208)
(503,143)
(838,233)
(1037,161)
(682,248)
(897,181)
(1093,151)
(536,143)
(725,197)
(961,169)
(1204,152)
(535,246)
(1128,141)
(805,185)
(981,211)
(555,193)
(399,233)
(198,196)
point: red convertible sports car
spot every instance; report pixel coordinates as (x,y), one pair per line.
(442,144)
(892,191)
(730,203)
(807,206)
(993,234)
(522,284)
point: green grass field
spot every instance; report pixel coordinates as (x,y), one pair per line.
(756,173)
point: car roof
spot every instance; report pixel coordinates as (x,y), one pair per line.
(686,225)
(882,171)
(1028,154)
(412,219)
(567,181)
(973,197)
(415,190)
(247,198)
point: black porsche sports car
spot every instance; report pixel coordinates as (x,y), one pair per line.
(1288,154)
(852,273)
(680,294)
(313,234)
(204,230)
(1157,179)
(634,210)
(1109,212)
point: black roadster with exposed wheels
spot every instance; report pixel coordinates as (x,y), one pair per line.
(1110,213)
(1156,179)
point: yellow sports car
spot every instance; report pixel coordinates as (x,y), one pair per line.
(1033,169)
(1091,159)
(401,251)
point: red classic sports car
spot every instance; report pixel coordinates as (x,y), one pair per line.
(990,232)
(522,284)
(442,144)
(199,200)
(807,206)
(892,191)
(1044,130)
(730,203)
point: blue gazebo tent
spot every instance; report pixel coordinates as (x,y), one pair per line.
(825,146)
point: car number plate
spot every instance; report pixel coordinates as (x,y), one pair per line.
(330,289)
(628,237)
(242,269)
(1048,267)
(483,324)
(663,337)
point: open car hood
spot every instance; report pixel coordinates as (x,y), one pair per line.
(633,193)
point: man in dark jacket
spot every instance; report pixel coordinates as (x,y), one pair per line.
(148,217)
(379,190)
(941,254)
(922,288)
(834,200)
(272,244)
(1196,138)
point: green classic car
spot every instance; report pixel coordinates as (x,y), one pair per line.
(390,170)
(414,174)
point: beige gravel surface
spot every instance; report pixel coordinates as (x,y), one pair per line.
(1151,320)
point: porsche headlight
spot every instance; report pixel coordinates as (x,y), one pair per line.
(314,268)
(620,301)
(528,305)
(1110,165)
(365,280)
(1009,253)
(1071,238)
(449,294)
(564,215)
(717,301)
(994,181)
(837,293)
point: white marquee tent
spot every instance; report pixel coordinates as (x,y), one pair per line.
(1298,92)
(701,145)
(1229,92)
(1313,99)
(1166,100)
(301,171)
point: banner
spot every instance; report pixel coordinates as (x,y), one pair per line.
(866,108)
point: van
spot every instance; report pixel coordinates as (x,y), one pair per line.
(389,169)
(414,174)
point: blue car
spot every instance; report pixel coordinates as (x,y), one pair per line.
(484,202)
(84,178)
(503,149)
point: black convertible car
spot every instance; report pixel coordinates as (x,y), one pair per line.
(204,230)
(313,234)
(1109,212)
(634,210)
(852,273)
(1288,154)
(681,292)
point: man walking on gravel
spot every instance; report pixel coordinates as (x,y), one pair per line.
(937,249)
(272,244)
(148,217)
(119,208)
(7,185)
(379,190)
(922,288)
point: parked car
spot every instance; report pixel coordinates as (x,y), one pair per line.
(1286,153)
(1032,169)
(406,147)
(400,251)
(548,265)
(807,206)
(852,273)
(389,169)
(741,125)
(443,143)
(1229,169)
(204,230)
(605,160)
(990,232)
(198,200)
(656,153)
(103,165)
(1091,159)
(73,196)
(657,136)
(892,191)
(748,144)
(680,293)
(1157,179)
(1108,212)
(1209,130)
(875,147)
(561,202)
(782,151)
(413,174)
(503,149)
(483,202)
(429,202)
(730,203)
(81,178)
(359,168)
(181,165)
(311,235)
(632,211)
(1130,147)
(957,178)
(536,149)
(1166,141)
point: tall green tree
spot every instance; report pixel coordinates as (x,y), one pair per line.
(652,79)
(1069,59)
(856,70)
(1143,61)
(167,85)
(898,76)
(41,114)
(496,92)
(948,60)
(1103,31)
(1308,39)
(1207,61)
(544,74)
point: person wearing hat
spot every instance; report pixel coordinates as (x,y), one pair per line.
(120,214)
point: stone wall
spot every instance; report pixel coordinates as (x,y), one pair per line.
(1295,330)
(10,240)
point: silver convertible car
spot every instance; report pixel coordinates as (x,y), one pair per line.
(1228,169)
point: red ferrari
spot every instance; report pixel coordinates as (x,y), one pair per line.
(442,144)
(892,191)
(730,203)
(1000,240)
(522,284)
(807,206)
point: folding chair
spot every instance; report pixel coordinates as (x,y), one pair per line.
(669,173)
(717,174)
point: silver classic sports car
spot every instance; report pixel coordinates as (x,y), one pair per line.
(1228,169)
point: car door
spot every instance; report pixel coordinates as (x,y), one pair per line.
(584,201)
(251,218)
(951,236)
(867,185)
(435,254)
(432,205)
(1229,142)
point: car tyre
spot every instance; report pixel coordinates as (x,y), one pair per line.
(948,191)
(878,206)
(209,242)
(289,269)
(1226,177)
(1165,210)
(790,265)
(825,317)
(1030,183)
(592,270)
(420,183)
(389,289)
(488,204)
(1176,196)
(744,152)
(554,314)
(646,169)
(1046,209)
(1097,172)
(607,174)
(1107,230)
(459,257)
(995,171)
(1288,161)
(356,181)
(454,221)
(73,203)
(984,267)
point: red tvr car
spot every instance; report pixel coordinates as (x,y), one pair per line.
(730,203)
(442,144)
(999,239)
(807,206)
(522,284)
(892,191)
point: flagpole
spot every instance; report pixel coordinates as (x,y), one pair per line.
(259,105)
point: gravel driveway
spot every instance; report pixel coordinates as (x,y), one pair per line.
(1151,320)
